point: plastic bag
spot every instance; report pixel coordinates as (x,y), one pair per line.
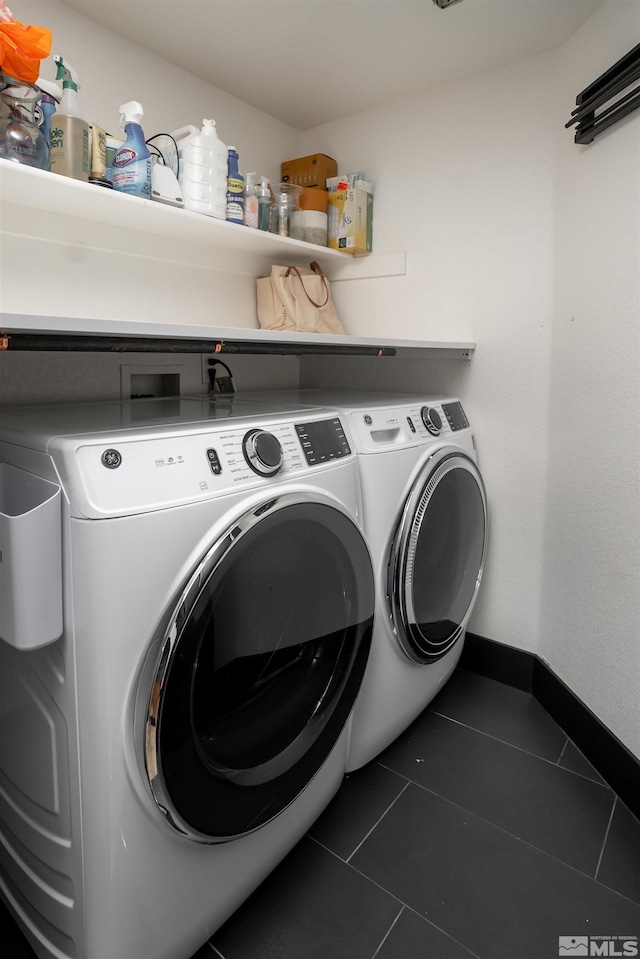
(22,47)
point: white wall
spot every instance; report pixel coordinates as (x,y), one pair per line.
(530,245)
(28,379)
(146,287)
(590,600)
(464,183)
(113,70)
(61,279)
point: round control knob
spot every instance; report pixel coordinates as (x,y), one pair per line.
(431,419)
(262,452)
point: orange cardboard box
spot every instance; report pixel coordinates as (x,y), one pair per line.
(311,171)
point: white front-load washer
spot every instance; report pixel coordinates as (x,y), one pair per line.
(162,755)
(425,520)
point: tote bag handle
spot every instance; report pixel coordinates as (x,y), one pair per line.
(318,270)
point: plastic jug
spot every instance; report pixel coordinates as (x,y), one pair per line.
(20,137)
(202,172)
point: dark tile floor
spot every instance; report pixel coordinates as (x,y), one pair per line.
(482,831)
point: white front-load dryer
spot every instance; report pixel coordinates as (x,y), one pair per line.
(425,520)
(162,755)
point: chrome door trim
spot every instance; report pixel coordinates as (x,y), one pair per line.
(173,632)
(404,545)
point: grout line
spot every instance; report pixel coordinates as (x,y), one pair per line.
(378,821)
(606,836)
(405,906)
(359,872)
(520,749)
(388,932)
(493,825)
(444,932)
(482,732)
(563,751)
(531,845)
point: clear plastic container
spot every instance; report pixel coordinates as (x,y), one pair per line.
(286,204)
(21,139)
(310,226)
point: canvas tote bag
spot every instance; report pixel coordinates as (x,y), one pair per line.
(297,299)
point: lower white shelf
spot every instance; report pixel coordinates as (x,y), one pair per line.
(38,332)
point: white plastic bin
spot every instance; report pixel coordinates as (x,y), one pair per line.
(30,559)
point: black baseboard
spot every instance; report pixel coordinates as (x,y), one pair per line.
(526,671)
(508,665)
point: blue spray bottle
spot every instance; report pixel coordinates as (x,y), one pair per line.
(132,162)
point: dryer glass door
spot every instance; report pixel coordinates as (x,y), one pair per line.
(260,666)
(438,555)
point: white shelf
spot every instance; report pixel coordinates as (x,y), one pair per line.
(48,206)
(45,213)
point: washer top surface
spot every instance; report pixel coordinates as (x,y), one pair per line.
(116,459)
(38,425)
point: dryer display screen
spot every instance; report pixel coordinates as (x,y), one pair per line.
(323,440)
(456,417)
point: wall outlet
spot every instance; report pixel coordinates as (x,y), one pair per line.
(148,382)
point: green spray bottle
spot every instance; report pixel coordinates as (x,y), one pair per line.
(69,143)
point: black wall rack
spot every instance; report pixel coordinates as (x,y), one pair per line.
(623,74)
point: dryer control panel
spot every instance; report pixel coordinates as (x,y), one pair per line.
(456,417)
(387,428)
(421,421)
(130,472)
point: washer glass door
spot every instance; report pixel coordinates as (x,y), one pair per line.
(260,666)
(437,556)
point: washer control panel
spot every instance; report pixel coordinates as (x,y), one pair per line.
(129,472)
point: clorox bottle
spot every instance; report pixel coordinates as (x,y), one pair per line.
(202,172)
(132,162)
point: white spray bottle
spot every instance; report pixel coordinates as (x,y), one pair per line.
(69,138)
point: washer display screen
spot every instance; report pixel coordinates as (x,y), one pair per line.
(323,440)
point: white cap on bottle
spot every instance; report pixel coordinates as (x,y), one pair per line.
(131,112)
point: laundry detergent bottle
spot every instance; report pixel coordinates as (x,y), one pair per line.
(202,171)
(132,162)
(235,189)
